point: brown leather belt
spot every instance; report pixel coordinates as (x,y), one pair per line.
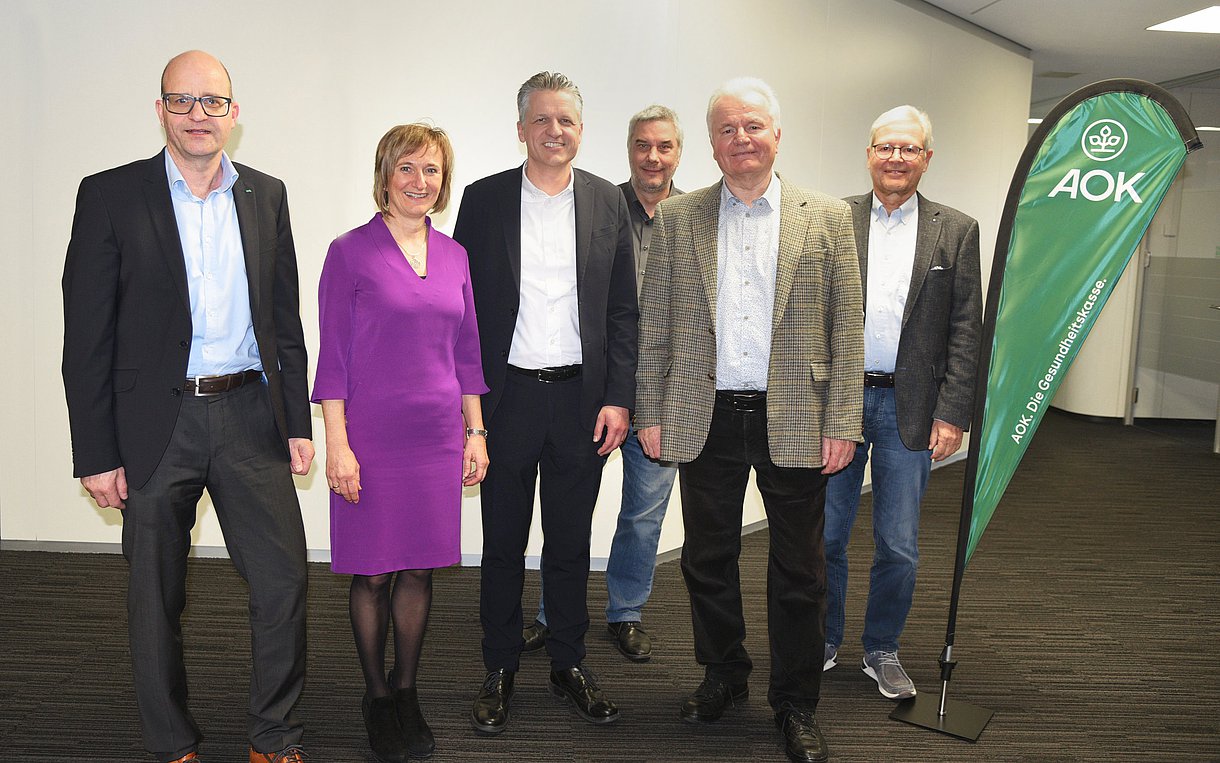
(878,380)
(548,375)
(201,386)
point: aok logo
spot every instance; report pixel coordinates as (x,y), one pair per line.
(1102,141)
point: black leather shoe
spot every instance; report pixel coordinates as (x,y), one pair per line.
(632,640)
(711,699)
(381,723)
(533,637)
(579,685)
(415,730)
(803,740)
(490,713)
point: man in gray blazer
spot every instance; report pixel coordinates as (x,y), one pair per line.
(750,358)
(184,367)
(923,309)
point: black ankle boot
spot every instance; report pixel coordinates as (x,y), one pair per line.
(418,736)
(385,735)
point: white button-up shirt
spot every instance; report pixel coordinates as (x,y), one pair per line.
(891,258)
(547,333)
(747,254)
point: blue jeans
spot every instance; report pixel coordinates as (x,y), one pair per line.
(633,553)
(899,479)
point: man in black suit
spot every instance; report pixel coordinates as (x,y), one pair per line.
(551,265)
(184,367)
(919,264)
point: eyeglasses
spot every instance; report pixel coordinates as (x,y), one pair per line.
(181,103)
(886,150)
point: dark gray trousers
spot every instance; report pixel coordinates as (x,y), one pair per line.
(229,445)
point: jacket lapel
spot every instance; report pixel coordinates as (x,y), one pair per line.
(861,221)
(793,223)
(510,220)
(703,232)
(583,203)
(165,226)
(926,239)
(245,201)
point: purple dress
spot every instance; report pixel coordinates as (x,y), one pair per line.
(401,351)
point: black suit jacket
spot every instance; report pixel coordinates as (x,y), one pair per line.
(127,321)
(489,226)
(939,345)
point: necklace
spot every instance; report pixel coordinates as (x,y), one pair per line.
(417,260)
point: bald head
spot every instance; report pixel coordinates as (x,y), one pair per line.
(194,60)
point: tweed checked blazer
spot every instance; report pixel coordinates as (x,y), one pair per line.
(939,346)
(817,328)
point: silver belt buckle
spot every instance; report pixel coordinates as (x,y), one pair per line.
(199,387)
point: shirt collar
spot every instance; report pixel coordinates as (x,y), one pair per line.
(531,192)
(228,175)
(909,210)
(771,195)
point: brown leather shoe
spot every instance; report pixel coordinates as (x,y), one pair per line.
(291,754)
(188,757)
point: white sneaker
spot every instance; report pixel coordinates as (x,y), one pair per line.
(828,659)
(892,681)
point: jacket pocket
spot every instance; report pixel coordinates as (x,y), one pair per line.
(820,371)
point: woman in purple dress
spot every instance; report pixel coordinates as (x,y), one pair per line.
(399,380)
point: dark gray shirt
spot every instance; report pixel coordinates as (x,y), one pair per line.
(641,229)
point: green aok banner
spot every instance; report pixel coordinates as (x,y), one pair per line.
(1082,196)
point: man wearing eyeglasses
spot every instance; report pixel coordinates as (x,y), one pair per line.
(184,367)
(919,263)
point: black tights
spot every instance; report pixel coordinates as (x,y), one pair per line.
(407,596)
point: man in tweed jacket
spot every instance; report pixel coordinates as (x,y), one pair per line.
(751,355)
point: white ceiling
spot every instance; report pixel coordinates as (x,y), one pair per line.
(1097,39)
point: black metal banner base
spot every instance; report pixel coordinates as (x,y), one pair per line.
(961,719)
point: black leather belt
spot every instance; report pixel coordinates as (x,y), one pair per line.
(554,374)
(878,380)
(742,399)
(214,385)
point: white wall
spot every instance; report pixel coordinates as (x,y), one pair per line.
(84,77)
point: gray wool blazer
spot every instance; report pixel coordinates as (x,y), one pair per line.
(938,349)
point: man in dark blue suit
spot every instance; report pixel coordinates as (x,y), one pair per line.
(184,366)
(552,269)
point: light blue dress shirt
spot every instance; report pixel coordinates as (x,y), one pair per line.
(222,340)
(747,255)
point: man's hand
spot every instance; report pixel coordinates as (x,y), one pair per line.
(301,450)
(650,441)
(945,440)
(836,454)
(109,489)
(614,421)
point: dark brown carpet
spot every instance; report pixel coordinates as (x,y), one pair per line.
(1089,623)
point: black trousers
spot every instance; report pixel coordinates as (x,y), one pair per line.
(713,489)
(537,438)
(229,445)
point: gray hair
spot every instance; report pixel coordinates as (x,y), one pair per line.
(903,113)
(655,113)
(547,81)
(742,88)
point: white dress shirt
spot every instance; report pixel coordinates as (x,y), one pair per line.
(747,255)
(547,333)
(891,258)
